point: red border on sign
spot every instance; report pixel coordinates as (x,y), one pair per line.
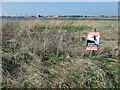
(92,48)
(98,33)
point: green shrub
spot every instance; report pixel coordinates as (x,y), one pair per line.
(55,58)
(24,84)
(83,38)
(74,28)
(100,59)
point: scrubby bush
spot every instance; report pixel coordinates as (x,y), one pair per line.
(52,54)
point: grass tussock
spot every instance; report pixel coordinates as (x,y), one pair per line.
(51,54)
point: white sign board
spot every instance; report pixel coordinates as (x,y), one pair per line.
(93,41)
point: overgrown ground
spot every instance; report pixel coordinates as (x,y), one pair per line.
(51,54)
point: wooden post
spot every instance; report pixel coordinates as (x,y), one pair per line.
(95,30)
(91,52)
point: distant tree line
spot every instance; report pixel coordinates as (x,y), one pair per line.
(55,16)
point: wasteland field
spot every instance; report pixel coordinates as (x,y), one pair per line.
(51,54)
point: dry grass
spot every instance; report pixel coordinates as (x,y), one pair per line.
(52,54)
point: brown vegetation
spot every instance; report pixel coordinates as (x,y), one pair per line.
(52,54)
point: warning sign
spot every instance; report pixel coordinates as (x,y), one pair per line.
(93,40)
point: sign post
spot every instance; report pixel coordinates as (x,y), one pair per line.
(93,41)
